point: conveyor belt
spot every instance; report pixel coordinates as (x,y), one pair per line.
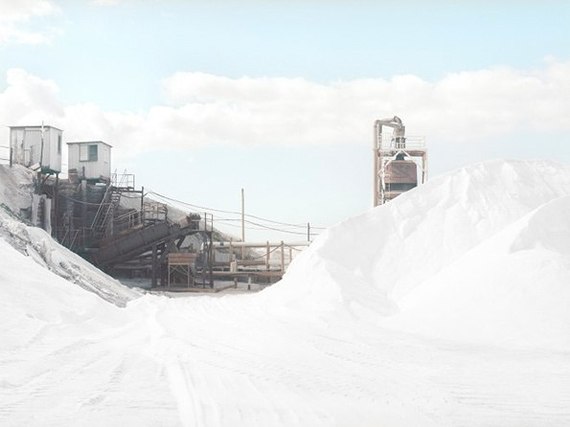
(124,247)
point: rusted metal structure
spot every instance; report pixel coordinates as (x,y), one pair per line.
(113,225)
(268,260)
(103,218)
(149,247)
(400,162)
(181,268)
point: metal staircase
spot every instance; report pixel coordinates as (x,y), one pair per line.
(102,225)
(103,221)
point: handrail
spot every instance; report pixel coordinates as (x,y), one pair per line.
(100,209)
(123,180)
(411,142)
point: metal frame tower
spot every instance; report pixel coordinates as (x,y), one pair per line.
(393,153)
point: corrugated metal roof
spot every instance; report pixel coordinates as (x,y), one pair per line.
(89,142)
(35,127)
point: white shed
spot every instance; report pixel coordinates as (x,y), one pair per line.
(91,159)
(39,146)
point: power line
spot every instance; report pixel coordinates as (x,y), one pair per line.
(236,213)
(262,227)
(275,229)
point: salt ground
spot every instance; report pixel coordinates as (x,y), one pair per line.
(221,287)
(448,306)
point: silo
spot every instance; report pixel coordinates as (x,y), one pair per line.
(401,175)
(400,161)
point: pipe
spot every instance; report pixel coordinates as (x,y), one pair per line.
(375,150)
(255,245)
(399,132)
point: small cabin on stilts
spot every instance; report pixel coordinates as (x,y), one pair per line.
(91,160)
(39,148)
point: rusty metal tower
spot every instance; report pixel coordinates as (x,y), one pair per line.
(400,162)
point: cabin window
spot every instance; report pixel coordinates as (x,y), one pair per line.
(88,153)
(93,153)
(59,144)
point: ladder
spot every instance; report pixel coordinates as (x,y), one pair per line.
(103,222)
(102,225)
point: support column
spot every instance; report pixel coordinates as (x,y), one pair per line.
(165,249)
(55,221)
(210,257)
(242,223)
(84,225)
(375,147)
(154,266)
(425,174)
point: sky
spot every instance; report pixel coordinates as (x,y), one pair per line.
(203,98)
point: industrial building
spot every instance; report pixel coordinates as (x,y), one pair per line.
(400,162)
(102,216)
(86,214)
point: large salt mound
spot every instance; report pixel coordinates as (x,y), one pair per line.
(16,188)
(512,290)
(480,254)
(34,298)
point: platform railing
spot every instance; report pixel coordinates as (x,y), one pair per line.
(123,180)
(410,143)
(154,212)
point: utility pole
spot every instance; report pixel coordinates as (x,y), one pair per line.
(242,222)
(308,232)
(42,148)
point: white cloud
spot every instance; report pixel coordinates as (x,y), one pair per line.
(16,17)
(202,109)
(105,2)
(28,99)
(461,106)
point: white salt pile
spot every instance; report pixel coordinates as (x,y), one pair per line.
(481,254)
(447,306)
(16,187)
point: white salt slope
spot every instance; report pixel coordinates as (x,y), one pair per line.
(34,299)
(65,353)
(70,358)
(513,290)
(369,264)
(16,188)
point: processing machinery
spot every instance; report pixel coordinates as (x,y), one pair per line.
(400,162)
